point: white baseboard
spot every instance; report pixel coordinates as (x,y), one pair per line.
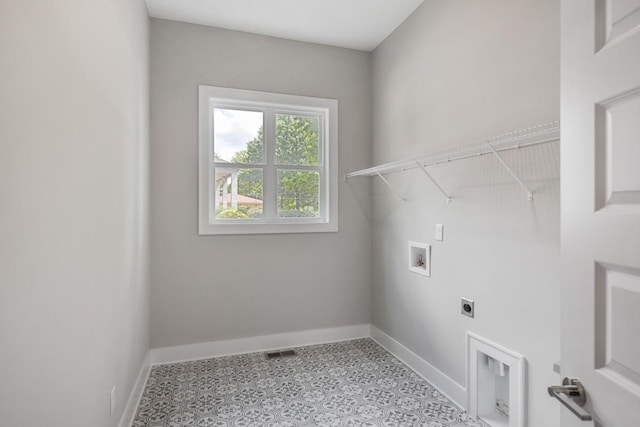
(449,387)
(206,350)
(129,412)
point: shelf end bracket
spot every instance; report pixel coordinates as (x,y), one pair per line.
(444,193)
(513,174)
(390,186)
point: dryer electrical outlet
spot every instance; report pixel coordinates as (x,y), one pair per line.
(467,307)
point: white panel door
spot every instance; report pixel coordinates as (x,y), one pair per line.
(601,207)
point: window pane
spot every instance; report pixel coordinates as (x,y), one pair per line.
(298,194)
(297,139)
(237,136)
(238,193)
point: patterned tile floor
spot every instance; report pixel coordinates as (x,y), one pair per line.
(352,383)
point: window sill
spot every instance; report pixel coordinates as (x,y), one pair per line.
(208,229)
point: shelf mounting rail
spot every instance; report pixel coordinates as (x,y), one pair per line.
(532,136)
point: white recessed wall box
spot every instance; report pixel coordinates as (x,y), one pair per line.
(495,383)
(420,258)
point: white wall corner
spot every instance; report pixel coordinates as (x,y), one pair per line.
(450,388)
(207,350)
(131,408)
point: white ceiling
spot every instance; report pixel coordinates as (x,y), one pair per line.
(356,24)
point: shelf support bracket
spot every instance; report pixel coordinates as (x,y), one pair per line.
(513,174)
(444,193)
(390,186)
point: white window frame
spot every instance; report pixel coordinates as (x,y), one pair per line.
(210,97)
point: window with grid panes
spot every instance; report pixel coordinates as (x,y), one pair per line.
(268,162)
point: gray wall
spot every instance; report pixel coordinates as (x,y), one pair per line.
(74,291)
(452,73)
(208,288)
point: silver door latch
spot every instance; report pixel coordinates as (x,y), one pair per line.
(572,395)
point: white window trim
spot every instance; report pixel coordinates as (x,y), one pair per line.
(207,96)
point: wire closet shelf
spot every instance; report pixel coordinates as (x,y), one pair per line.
(536,135)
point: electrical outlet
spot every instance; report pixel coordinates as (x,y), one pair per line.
(466,307)
(112,406)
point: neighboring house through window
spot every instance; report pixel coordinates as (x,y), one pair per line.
(267,162)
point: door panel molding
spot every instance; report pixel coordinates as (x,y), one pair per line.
(615,21)
(617,150)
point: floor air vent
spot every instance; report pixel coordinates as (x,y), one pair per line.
(282,353)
